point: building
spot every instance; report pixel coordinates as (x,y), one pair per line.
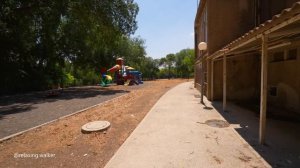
(252,54)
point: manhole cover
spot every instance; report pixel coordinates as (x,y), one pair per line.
(197,96)
(95,126)
(208,108)
(217,123)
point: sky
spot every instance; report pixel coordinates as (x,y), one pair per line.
(167,26)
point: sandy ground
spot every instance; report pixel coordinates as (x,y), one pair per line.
(62,144)
(24,111)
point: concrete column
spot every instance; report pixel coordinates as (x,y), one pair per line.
(224,82)
(263,89)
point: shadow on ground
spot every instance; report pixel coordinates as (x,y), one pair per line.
(282,147)
(23,103)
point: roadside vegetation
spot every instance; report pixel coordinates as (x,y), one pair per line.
(45,44)
(179,65)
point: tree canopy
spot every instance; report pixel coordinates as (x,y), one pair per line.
(67,42)
(41,40)
(180,64)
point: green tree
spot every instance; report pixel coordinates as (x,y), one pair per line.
(180,64)
(185,63)
(37,38)
(149,68)
(132,50)
(168,62)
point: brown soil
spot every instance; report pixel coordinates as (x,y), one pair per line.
(62,144)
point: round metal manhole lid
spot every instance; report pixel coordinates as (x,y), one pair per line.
(95,126)
(197,96)
(217,123)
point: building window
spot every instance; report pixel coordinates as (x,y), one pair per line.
(278,56)
(292,54)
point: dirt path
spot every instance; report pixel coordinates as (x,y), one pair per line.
(61,144)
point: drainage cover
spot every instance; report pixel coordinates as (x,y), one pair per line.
(197,96)
(217,123)
(95,126)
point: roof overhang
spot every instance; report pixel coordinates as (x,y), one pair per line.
(283,29)
(199,12)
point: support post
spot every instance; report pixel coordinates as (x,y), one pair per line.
(212,80)
(263,89)
(208,75)
(202,80)
(224,82)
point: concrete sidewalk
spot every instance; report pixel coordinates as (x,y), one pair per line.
(174,134)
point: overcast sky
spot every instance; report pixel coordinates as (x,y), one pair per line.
(167,26)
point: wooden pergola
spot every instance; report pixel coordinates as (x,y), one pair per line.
(282,30)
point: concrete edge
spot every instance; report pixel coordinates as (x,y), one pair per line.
(127,139)
(60,118)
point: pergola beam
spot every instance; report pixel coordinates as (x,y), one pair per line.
(270,31)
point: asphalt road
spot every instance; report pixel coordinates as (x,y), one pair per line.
(21,112)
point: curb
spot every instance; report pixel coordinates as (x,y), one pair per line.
(60,118)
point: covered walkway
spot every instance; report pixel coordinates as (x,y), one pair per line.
(177,133)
